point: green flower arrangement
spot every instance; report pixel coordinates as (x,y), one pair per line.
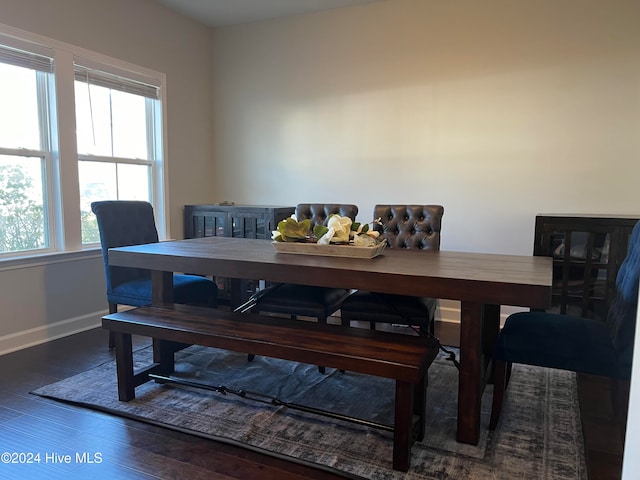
(339,230)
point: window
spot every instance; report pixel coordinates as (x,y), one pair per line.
(50,173)
(116,127)
(25,155)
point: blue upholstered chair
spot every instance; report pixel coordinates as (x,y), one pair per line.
(573,343)
(123,223)
(411,227)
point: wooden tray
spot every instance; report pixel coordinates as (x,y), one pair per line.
(329,250)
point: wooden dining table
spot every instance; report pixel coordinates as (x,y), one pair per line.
(481,282)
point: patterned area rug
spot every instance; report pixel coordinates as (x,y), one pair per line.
(539,437)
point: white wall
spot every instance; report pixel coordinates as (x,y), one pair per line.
(498,110)
(67,293)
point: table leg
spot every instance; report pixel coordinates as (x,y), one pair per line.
(402,431)
(478,327)
(490,329)
(161,287)
(420,405)
(164,355)
(235,291)
(161,292)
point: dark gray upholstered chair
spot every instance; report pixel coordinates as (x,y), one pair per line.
(316,302)
(414,227)
(578,344)
(122,223)
(305,300)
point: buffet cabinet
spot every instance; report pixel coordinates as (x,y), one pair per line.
(587,251)
(240,221)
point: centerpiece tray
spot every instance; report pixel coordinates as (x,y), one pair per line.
(352,251)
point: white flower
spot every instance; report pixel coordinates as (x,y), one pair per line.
(341,227)
(326,238)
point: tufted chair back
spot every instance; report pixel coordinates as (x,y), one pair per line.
(123,223)
(319,213)
(410,226)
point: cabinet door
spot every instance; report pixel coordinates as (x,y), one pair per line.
(587,253)
(239,222)
(582,265)
(250,225)
(206,224)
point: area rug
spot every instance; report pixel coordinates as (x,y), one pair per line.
(539,437)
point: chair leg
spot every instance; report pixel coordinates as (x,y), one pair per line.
(113,308)
(500,380)
(620,401)
(322,321)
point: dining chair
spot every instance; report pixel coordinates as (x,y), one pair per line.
(122,223)
(578,344)
(304,300)
(410,227)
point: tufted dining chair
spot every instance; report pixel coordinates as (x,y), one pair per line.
(583,345)
(122,223)
(316,302)
(304,300)
(411,227)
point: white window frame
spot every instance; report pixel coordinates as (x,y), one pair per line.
(62,185)
(45,86)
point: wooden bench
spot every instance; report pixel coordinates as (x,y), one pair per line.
(402,358)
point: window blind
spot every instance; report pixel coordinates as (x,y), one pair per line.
(116,79)
(25,58)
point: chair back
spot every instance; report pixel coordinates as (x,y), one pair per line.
(410,226)
(319,213)
(621,318)
(122,223)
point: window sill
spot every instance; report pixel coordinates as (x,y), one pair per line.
(49,258)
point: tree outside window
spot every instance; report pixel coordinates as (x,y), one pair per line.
(24,150)
(117,153)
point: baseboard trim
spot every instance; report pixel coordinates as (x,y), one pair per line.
(451,314)
(36,336)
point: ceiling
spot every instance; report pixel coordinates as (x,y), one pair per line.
(219,13)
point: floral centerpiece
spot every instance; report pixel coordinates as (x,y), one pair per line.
(338,231)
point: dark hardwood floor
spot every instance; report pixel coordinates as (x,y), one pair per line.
(114,447)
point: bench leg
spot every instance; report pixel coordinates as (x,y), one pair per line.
(402,431)
(124,366)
